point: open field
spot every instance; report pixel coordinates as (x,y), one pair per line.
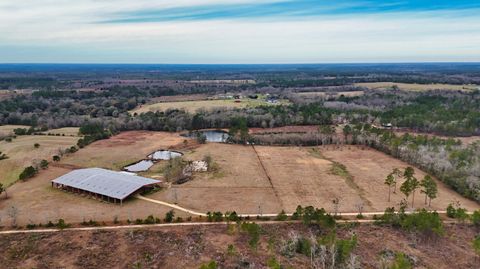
(66,131)
(193,106)
(192,246)
(250,180)
(417,87)
(8,129)
(180,98)
(38,202)
(21,153)
(330,94)
(285,177)
(241,184)
(369,169)
(224,81)
(466,140)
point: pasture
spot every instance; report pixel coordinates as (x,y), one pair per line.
(8,129)
(194,106)
(249,180)
(21,153)
(417,87)
(66,131)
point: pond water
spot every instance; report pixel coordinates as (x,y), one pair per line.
(141,166)
(164,155)
(211,135)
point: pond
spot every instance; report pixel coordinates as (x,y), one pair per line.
(164,155)
(141,166)
(218,136)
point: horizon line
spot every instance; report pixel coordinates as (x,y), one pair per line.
(293,63)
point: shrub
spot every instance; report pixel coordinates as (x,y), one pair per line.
(451,211)
(303,246)
(421,221)
(61,224)
(27,173)
(231,250)
(456,212)
(36,145)
(90,223)
(169,216)
(56,158)
(345,248)
(282,216)
(476,245)
(401,262)
(151,220)
(44,164)
(210,265)
(215,216)
(476,218)
(232,216)
(272,263)
(253,231)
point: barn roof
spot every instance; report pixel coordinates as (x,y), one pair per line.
(105,182)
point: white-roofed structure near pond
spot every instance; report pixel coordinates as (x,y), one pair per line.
(103,184)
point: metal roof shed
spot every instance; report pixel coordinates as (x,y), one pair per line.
(103,182)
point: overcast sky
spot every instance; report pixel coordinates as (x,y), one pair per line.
(239,31)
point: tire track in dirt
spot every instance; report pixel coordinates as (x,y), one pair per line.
(269,178)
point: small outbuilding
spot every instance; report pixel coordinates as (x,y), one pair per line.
(103,184)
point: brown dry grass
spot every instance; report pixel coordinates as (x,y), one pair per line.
(21,153)
(123,149)
(240,184)
(332,94)
(369,169)
(38,202)
(288,177)
(66,131)
(8,129)
(194,106)
(417,87)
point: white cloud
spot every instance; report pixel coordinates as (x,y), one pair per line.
(37,29)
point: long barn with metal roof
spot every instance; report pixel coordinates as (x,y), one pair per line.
(103,184)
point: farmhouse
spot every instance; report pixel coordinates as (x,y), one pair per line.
(103,184)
